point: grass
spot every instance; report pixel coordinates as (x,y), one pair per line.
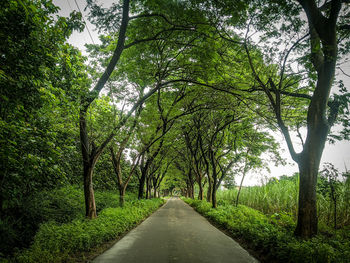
(272,235)
(55,242)
(60,205)
(50,226)
(281,196)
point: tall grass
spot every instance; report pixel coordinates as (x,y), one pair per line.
(282,196)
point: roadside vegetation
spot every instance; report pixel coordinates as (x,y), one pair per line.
(59,230)
(265,217)
(271,236)
(174,96)
(281,196)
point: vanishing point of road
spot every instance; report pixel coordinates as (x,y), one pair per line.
(175,234)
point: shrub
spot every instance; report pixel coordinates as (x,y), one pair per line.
(60,205)
(273,236)
(55,242)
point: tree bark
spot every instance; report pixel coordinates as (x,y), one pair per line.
(201,192)
(122,190)
(141,185)
(307,224)
(210,190)
(90,206)
(213,201)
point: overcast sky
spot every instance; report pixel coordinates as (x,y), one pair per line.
(337,154)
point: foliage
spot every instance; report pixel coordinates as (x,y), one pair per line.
(61,205)
(281,196)
(272,236)
(56,242)
(41,76)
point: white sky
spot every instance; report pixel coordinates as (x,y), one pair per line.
(338,154)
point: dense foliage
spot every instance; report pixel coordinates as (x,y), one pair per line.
(56,242)
(177,96)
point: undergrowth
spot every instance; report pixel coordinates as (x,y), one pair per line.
(56,242)
(272,236)
(61,205)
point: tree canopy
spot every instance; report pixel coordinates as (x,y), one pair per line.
(177,96)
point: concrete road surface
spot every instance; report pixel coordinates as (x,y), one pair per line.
(175,233)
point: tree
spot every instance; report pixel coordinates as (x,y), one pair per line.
(33,58)
(305,94)
(147,16)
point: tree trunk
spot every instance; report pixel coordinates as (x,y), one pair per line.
(191,191)
(240,185)
(90,206)
(210,190)
(141,185)
(213,201)
(307,223)
(190,182)
(324,50)
(213,191)
(122,189)
(201,193)
(148,188)
(309,161)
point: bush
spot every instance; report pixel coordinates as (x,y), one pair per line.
(56,242)
(58,206)
(272,236)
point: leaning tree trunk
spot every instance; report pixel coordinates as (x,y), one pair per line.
(245,170)
(239,189)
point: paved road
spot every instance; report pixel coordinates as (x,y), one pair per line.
(175,233)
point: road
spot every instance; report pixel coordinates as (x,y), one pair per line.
(175,234)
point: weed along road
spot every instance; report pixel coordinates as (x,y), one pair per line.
(175,233)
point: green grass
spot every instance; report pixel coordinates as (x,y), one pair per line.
(282,196)
(272,236)
(55,242)
(60,205)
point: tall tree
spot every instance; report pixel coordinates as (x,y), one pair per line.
(298,97)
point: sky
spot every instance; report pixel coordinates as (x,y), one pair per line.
(338,154)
